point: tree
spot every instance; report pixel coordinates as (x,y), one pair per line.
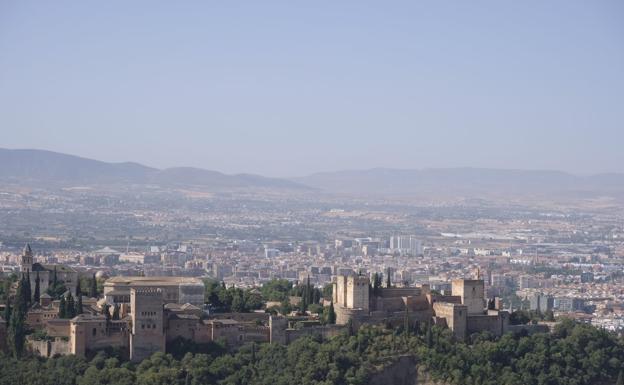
(116,312)
(7,312)
(376,284)
(310,291)
(620,378)
(106,311)
(429,336)
(238,303)
(70,311)
(388,281)
(17,332)
(37,295)
(54,278)
(406,321)
(79,307)
(27,289)
(62,308)
(21,297)
(93,292)
(331,314)
(17,328)
(78,288)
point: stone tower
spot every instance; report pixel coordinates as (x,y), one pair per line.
(27,259)
(472,293)
(146,310)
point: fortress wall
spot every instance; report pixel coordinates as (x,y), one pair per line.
(479,323)
(393,292)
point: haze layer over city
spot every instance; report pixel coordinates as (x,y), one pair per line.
(327,193)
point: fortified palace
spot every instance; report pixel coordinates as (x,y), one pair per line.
(464,311)
(153,311)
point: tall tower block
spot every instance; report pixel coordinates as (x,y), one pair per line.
(147,336)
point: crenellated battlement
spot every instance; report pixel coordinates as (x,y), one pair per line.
(147,292)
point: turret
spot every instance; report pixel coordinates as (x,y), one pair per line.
(27,259)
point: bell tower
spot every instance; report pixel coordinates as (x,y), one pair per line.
(27,259)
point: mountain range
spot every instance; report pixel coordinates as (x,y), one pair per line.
(40,167)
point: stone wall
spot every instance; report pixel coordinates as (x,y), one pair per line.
(49,348)
(480,323)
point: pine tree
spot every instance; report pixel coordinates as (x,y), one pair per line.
(37,295)
(62,308)
(93,291)
(331,314)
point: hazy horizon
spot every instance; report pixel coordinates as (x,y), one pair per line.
(282,90)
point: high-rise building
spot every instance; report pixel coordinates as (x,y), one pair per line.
(541,302)
(406,244)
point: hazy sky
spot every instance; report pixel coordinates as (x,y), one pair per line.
(288,88)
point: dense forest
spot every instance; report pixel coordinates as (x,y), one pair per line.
(574,354)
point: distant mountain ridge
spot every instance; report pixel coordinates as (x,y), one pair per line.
(47,167)
(471,181)
(39,167)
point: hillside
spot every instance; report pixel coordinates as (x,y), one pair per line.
(40,167)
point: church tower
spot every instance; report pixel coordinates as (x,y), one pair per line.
(27,259)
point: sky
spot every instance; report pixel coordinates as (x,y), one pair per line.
(291,88)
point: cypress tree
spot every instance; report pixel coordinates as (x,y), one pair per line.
(27,289)
(317,296)
(93,291)
(303,305)
(310,291)
(62,308)
(406,321)
(21,298)
(388,282)
(79,309)
(331,314)
(17,332)
(70,311)
(429,336)
(54,278)
(78,288)
(116,312)
(7,312)
(37,295)
(106,311)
